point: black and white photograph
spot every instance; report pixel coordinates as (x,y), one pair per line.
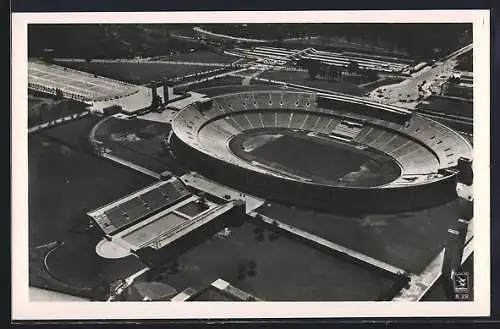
(172,159)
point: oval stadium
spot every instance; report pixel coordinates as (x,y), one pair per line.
(320,151)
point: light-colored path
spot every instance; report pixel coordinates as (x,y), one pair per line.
(42,295)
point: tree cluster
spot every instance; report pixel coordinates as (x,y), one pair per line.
(105,40)
(316,68)
(454,80)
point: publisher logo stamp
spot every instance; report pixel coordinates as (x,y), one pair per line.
(461,285)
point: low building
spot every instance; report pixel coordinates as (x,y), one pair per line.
(161,221)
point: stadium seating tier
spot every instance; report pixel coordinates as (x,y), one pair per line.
(421,147)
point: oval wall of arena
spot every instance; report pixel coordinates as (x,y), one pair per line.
(337,153)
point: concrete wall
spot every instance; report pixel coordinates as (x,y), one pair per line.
(339,199)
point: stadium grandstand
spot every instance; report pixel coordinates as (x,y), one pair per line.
(281,56)
(412,152)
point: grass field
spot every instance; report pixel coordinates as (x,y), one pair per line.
(275,267)
(321,160)
(316,159)
(74,134)
(138,73)
(65,181)
(45,109)
(91,270)
(144,149)
(407,240)
(222,81)
(302,78)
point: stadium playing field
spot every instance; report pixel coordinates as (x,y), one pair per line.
(138,141)
(303,78)
(137,72)
(275,267)
(407,240)
(320,159)
(65,180)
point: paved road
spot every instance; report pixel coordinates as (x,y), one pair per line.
(430,78)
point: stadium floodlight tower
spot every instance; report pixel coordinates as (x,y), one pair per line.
(156,101)
(153,92)
(168,90)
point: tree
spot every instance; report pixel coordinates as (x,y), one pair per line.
(312,66)
(454,80)
(333,73)
(370,75)
(352,67)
